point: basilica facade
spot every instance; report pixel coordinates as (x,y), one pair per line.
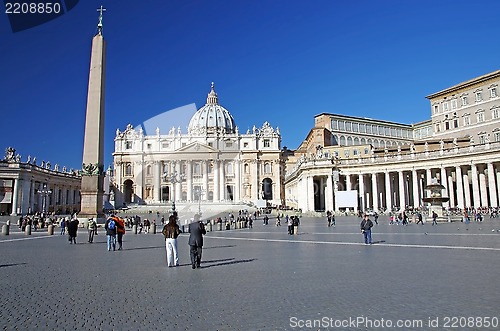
(211,162)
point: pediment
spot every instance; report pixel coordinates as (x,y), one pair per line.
(196,147)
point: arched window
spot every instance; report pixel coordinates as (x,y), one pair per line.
(246,168)
(128,169)
(267,168)
(230,169)
(267,189)
(148,170)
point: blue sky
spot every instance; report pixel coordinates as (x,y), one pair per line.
(276,61)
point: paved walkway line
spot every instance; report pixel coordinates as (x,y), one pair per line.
(359,244)
(29,238)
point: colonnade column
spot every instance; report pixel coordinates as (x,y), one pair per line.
(32,197)
(216,180)
(402,202)
(492,186)
(444,182)
(483,187)
(451,195)
(178,186)
(460,187)
(414,176)
(310,193)
(14,197)
(329,193)
(189,181)
(465,179)
(362,192)
(388,195)
(475,186)
(375,192)
(348,182)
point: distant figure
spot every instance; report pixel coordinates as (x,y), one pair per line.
(73,230)
(120,231)
(63,225)
(366,228)
(171,231)
(420,218)
(197,230)
(110,227)
(91,225)
(434,218)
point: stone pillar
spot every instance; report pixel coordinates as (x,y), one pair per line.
(483,187)
(388,190)
(428,179)
(31,208)
(237,177)
(451,190)
(178,185)
(329,193)
(157,178)
(15,193)
(216,181)
(492,186)
(475,187)
(310,193)
(26,196)
(460,187)
(443,181)
(402,200)
(375,192)
(189,181)
(348,182)
(466,189)
(254,179)
(222,181)
(139,181)
(362,194)
(416,200)
(204,169)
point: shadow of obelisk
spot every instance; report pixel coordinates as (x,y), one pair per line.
(93,149)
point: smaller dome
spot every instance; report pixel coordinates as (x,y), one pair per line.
(212,117)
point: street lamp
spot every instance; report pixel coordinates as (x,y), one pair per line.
(335,177)
(199,192)
(173,178)
(44,193)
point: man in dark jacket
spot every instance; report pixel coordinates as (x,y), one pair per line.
(366,228)
(197,230)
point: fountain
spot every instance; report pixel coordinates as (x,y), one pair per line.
(435,199)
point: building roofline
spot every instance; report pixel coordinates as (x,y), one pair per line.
(366,119)
(465,84)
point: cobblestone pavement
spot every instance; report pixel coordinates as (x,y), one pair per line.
(258,279)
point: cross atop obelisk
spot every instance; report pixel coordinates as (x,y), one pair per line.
(92,172)
(99,25)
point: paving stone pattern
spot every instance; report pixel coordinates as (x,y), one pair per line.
(252,279)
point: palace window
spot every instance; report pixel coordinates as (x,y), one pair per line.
(479,96)
(436,109)
(347,153)
(197,169)
(128,145)
(348,126)
(495,112)
(438,127)
(245,145)
(229,144)
(445,106)
(454,104)
(496,136)
(267,143)
(480,117)
(362,128)
(464,101)
(165,145)
(466,119)
(334,124)
(355,127)
(482,138)
(493,92)
(341,125)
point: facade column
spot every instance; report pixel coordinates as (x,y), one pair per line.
(492,186)
(254,175)
(26,195)
(460,187)
(362,194)
(483,187)
(465,180)
(428,179)
(414,177)
(348,182)
(31,207)
(475,187)
(375,192)
(497,174)
(204,171)
(329,193)
(222,180)
(39,198)
(237,178)
(14,197)
(388,195)
(216,180)
(178,185)
(451,191)
(189,181)
(139,172)
(310,193)
(157,179)
(402,200)
(443,181)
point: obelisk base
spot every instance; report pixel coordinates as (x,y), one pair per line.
(92,197)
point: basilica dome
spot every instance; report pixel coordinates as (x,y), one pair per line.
(212,117)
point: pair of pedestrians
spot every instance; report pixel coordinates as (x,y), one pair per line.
(115,228)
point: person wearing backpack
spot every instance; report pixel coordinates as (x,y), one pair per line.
(110,227)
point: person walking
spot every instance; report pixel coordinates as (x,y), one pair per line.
(171,231)
(197,230)
(120,231)
(420,218)
(91,225)
(366,228)
(110,227)
(63,225)
(434,218)
(73,230)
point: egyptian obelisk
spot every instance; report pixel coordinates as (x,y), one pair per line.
(93,148)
